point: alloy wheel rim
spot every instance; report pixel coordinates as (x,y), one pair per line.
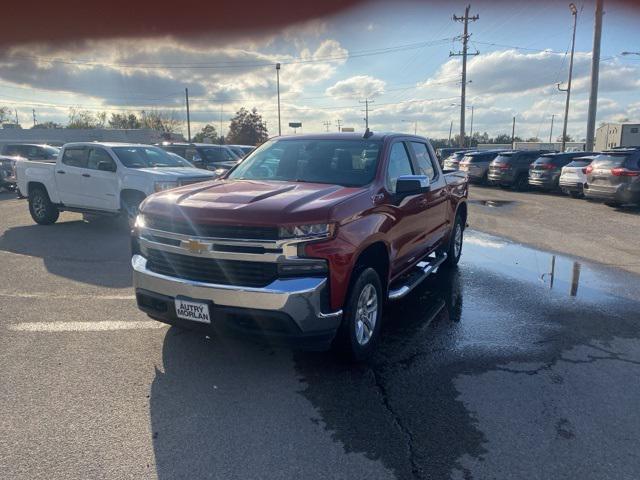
(366,314)
(38,206)
(457,241)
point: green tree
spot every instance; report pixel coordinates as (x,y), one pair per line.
(247,128)
(5,114)
(122,120)
(532,139)
(208,133)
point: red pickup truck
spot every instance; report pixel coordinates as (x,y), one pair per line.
(305,239)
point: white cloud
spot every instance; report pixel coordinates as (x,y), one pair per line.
(359,86)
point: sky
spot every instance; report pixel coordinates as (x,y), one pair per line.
(395,54)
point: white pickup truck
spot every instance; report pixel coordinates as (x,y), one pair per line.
(101,178)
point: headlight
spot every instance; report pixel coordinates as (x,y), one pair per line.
(140,222)
(319,230)
(160,186)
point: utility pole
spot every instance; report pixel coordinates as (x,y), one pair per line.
(186,95)
(220,134)
(595,73)
(450,130)
(366,112)
(34,117)
(574,12)
(513,132)
(17,120)
(471,132)
(465,42)
(339,123)
(551,131)
(278,87)
(326,124)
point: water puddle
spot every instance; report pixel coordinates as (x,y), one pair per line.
(492,203)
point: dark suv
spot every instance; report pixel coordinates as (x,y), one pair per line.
(614,176)
(545,171)
(511,168)
(30,151)
(204,155)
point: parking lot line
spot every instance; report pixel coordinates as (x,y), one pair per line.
(53,296)
(102,326)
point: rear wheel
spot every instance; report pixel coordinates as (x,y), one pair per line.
(42,210)
(574,194)
(361,322)
(521,184)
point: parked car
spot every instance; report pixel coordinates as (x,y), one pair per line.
(452,162)
(242,150)
(212,157)
(545,172)
(8,172)
(614,176)
(574,176)
(476,164)
(30,151)
(101,178)
(510,169)
(446,152)
(321,234)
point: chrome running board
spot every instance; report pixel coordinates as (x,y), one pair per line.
(401,287)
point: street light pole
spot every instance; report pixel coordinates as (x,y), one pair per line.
(278,87)
(471,133)
(450,130)
(551,131)
(574,12)
(595,73)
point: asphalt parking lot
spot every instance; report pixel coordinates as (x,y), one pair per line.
(522,363)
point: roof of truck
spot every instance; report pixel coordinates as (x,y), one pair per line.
(345,136)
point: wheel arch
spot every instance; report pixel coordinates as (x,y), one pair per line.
(376,256)
(131,193)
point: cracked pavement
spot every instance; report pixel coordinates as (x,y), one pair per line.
(518,364)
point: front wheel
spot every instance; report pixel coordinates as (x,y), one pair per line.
(361,322)
(42,210)
(521,184)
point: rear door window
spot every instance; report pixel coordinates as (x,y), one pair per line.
(399,165)
(424,161)
(76,157)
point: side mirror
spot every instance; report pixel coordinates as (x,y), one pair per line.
(412,185)
(106,166)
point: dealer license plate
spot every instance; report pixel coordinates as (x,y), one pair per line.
(194,311)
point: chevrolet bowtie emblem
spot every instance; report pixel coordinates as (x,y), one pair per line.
(194,246)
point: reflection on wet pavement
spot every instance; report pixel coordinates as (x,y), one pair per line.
(546,333)
(493,203)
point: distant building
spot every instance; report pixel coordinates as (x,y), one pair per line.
(60,136)
(611,135)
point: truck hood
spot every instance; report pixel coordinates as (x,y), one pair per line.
(248,202)
(169,173)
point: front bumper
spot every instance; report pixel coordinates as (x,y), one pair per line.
(287,308)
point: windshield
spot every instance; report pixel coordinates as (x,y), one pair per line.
(339,162)
(609,161)
(148,157)
(217,154)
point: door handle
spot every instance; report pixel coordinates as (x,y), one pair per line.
(86,175)
(61,172)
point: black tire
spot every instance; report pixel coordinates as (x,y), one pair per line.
(130,207)
(613,204)
(351,341)
(521,183)
(505,186)
(574,194)
(454,251)
(42,210)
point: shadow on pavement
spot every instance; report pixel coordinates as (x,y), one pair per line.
(96,252)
